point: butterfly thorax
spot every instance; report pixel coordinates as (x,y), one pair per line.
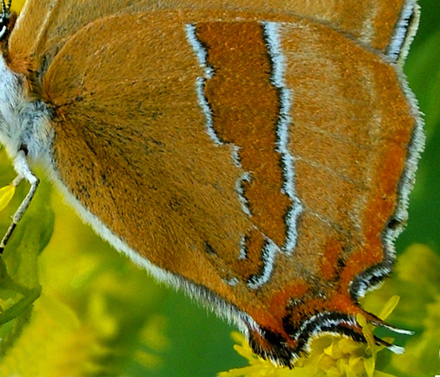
(24,122)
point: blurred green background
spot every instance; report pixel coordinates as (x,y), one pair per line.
(423,70)
(99,315)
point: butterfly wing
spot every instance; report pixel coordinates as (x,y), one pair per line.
(211,145)
(45,25)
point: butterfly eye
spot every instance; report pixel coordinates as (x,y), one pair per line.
(5,17)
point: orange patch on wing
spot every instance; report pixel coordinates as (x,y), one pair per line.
(245,106)
(390,170)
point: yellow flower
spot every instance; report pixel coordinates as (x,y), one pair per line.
(330,356)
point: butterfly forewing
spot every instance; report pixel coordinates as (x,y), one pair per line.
(45,25)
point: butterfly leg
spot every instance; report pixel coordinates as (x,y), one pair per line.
(24,172)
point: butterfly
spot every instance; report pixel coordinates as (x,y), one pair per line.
(259,156)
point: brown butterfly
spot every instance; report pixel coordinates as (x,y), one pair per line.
(259,156)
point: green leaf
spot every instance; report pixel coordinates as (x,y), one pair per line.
(19,283)
(6,195)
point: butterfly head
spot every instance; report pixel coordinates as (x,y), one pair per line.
(7,20)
